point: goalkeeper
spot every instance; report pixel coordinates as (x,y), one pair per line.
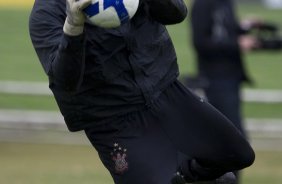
(120,86)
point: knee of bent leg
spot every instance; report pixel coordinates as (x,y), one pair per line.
(249,157)
(244,158)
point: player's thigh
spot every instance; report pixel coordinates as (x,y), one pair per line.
(201,131)
(138,153)
(224,94)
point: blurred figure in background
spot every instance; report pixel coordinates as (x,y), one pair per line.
(219,40)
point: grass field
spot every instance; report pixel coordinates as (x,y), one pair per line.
(16,3)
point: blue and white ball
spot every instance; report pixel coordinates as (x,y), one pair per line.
(111,13)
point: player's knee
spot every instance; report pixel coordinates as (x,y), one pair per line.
(248,158)
(244,158)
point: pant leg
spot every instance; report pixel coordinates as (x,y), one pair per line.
(224,94)
(136,150)
(202,132)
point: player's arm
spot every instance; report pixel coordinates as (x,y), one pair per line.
(167,11)
(59,44)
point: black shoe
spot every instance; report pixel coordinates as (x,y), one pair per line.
(227,178)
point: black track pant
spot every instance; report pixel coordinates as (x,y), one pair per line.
(179,129)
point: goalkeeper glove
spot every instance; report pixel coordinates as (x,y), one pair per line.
(74,23)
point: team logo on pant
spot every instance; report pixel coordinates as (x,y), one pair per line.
(119,158)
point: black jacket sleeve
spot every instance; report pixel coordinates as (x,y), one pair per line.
(61,56)
(167,11)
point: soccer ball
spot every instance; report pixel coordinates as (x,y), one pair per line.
(111,13)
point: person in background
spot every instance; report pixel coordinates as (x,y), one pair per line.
(219,41)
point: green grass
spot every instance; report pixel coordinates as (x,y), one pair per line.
(262,110)
(70,164)
(264,68)
(10,101)
(50,164)
(267,168)
(18,59)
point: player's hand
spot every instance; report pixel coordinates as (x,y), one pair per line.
(74,23)
(248,43)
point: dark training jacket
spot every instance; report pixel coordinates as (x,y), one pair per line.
(104,73)
(215,36)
